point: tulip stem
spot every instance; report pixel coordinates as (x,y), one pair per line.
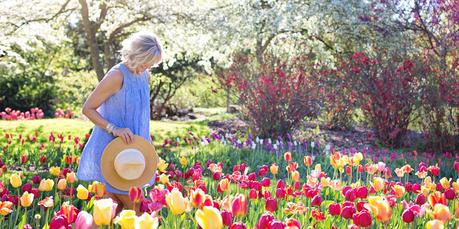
(17,214)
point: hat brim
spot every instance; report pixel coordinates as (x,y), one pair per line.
(116,146)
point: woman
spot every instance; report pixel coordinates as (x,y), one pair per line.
(120,107)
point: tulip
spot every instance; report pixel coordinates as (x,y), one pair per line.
(408,216)
(15,180)
(307,160)
(274,169)
(70,177)
(450,194)
(362,219)
(47,202)
(183,161)
(271,204)
(436,198)
(435,224)
(59,221)
(62,184)
(146,221)
(176,202)
(26,199)
(84,221)
(380,208)
(288,156)
(239,205)
(82,192)
(164,178)
(265,220)
(46,185)
(55,171)
(6,207)
(209,218)
(334,209)
(223,185)
(238,225)
(36,179)
(292,223)
(104,211)
(227,218)
(70,212)
(97,188)
(296,175)
(441,212)
(420,199)
(126,219)
(348,212)
(316,201)
(398,190)
(162,165)
(197,197)
(378,183)
(253,194)
(135,194)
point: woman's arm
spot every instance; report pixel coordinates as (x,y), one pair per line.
(110,84)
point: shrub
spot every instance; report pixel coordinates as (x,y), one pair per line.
(276,97)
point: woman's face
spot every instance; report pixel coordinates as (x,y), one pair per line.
(143,67)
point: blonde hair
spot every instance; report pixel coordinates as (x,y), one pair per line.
(141,48)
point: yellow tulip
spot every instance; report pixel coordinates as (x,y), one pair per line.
(209,218)
(46,185)
(358,157)
(164,178)
(26,199)
(61,184)
(445,183)
(296,175)
(440,212)
(183,161)
(126,219)
(435,224)
(399,190)
(456,186)
(82,192)
(146,221)
(71,177)
(380,208)
(378,184)
(162,165)
(176,202)
(55,171)
(318,168)
(325,181)
(274,169)
(16,180)
(104,211)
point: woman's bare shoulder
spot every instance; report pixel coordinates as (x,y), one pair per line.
(113,79)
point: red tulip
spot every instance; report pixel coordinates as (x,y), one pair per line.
(43,159)
(334,209)
(271,204)
(266,182)
(348,170)
(288,156)
(456,166)
(408,216)
(238,225)
(360,169)
(253,194)
(36,179)
(280,184)
(227,218)
(316,201)
(362,192)
(252,176)
(239,205)
(450,194)
(24,159)
(59,222)
(435,170)
(70,212)
(276,224)
(280,193)
(135,193)
(348,212)
(292,223)
(265,220)
(350,195)
(362,219)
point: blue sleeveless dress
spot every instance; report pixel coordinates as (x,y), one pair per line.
(127,108)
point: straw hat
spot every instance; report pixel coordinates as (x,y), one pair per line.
(125,166)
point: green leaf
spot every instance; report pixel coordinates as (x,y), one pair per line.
(23,221)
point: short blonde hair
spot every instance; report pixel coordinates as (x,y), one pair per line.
(141,48)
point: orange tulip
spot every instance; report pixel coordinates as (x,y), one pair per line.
(435,224)
(456,213)
(274,169)
(380,208)
(436,198)
(307,160)
(26,199)
(440,212)
(6,207)
(70,177)
(97,188)
(296,175)
(399,190)
(62,184)
(223,185)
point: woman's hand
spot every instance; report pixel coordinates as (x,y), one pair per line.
(125,133)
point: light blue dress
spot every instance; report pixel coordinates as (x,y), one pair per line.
(127,108)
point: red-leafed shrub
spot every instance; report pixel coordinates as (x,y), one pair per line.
(388,89)
(276,97)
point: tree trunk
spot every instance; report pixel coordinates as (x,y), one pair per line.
(91,40)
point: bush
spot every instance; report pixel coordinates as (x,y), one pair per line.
(74,88)
(276,97)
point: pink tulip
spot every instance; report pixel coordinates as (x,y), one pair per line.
(84,221)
